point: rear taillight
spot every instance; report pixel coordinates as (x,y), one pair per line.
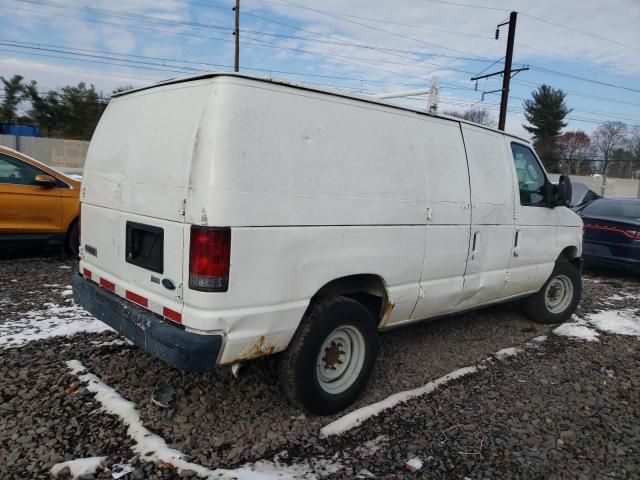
(635,234)
(209,259)
(627,232)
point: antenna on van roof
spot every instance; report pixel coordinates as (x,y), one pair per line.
(432,91)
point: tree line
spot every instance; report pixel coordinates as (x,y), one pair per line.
(70,112)
(613,149)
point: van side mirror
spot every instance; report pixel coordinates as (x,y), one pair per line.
(564,192)
(44,181)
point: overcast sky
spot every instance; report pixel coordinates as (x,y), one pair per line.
(589,48)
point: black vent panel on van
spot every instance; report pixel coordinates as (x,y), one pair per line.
(145,246)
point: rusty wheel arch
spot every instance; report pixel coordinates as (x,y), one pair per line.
(368,289)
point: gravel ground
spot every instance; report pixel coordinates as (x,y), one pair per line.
(560,409)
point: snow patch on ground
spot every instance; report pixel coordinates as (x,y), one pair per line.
(539,339)
(52,321)
(153,448)
(577,329)
(507,352)
(414,464)
(357,417)
(79,466)
(621,322)
(108,343)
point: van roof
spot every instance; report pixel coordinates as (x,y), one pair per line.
(311,88)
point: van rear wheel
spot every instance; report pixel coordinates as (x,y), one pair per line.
(331,357)
(558,298)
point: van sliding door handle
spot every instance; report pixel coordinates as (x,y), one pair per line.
(515,243)
(474,246)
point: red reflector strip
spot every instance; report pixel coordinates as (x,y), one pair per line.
(139,299)
(172,315)
(86,273)
(107,284)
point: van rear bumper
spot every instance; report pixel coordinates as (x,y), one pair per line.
(187,351)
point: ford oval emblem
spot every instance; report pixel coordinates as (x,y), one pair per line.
(168,284)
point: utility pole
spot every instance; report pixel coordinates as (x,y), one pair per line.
(506,78)
(507,72)
(236,33)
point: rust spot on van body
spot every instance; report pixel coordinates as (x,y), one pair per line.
(388,308)
(257,350)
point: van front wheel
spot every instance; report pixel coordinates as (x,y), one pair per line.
(331,356)
(558,298)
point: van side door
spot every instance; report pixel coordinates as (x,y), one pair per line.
(492,224)
(447,218)
(536,222)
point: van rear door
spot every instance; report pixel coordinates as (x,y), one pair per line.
(134,191)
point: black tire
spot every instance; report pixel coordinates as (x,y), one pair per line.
(536,306)
(299,364)
(73,239)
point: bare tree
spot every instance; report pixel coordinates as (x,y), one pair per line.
(573,148)
(633,145)
(607,138)
(476,115)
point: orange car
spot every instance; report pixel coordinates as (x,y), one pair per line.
(37,203)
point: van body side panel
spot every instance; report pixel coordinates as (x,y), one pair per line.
(276,270)
(272,155)
(492,224)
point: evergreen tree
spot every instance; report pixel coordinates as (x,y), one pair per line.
(14,94)
(45,109)
(80,110)
(545,113)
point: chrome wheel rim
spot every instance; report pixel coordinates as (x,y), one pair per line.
(558,294)
(340,359)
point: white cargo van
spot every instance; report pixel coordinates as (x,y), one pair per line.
(226,218)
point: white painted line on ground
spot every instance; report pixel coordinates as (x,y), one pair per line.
(152,448)
(79,466)
(357,417)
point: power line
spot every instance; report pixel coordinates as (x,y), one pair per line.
(581,94)
(390,51)
(571,29)
(550,71)
(162,62)
(389,32)
(541,69)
